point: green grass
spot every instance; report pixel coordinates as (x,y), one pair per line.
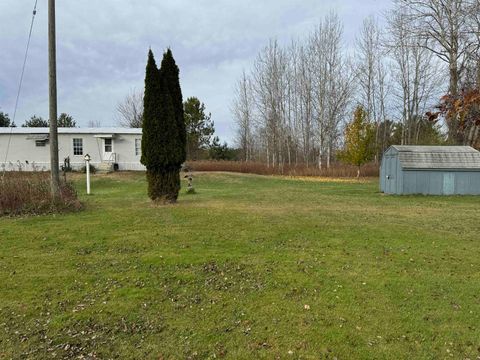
(249,267)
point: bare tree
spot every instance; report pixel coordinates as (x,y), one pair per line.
(472,68)
(368,54)
(94,123)
(299,96)
(242,109)
(130,110)
(304,94)
(269,82)
(291,108)
(373,77)
(445,28)
(333,80)
(471,79)
(416,74)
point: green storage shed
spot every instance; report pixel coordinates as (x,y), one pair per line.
(430,170)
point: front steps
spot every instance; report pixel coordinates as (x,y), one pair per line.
(105,168)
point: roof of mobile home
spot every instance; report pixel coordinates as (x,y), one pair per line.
(42,130)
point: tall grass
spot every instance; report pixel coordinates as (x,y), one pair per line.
(335,170)
(30,193)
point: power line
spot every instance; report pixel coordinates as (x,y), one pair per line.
(20,83)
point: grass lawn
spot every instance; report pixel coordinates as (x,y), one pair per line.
(250,267)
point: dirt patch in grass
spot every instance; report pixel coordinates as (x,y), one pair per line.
(321,179)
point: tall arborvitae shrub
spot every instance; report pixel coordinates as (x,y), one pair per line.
(169,73)
(164,137)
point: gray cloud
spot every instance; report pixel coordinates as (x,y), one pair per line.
(102,48)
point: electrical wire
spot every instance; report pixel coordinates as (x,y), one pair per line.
(20,85)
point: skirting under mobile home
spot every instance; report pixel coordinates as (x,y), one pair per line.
(430,170)
(28,149)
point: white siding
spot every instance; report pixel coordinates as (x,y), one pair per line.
(22,149)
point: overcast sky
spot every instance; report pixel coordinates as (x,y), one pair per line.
(102,48)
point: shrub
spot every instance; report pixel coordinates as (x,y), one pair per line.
(66,167)
(335,170)
(30,193)
(219,151)
(93,169)
(190,191)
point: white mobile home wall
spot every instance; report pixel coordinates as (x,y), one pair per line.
(24,154)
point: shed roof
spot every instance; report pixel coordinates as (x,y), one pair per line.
(93,131)
(438,157)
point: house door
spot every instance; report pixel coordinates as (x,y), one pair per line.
(108,149)
(448,184)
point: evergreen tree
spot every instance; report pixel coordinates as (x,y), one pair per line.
(36,121)
(218,151)
(419,131)
(151,147)
(359,140)
(169,74)
(65,120)
(5,120)
(164,138)
(199,126)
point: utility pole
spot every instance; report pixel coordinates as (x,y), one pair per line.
(52,70)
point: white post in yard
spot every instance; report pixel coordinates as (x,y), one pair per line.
(87,169)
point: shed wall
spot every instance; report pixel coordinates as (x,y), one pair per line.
(399,176)
(467,183)
(396,178)
(438,182)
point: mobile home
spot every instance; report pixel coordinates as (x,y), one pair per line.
(28,149)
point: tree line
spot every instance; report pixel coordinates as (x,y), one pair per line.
(200,128)
(64,120)
(201,142)
(413,77)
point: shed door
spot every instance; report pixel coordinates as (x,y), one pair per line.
(448,183)
(387,174)
(390,180)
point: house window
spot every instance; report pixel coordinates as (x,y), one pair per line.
(77,146)
(138,147)
(40,142)
(108,145)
